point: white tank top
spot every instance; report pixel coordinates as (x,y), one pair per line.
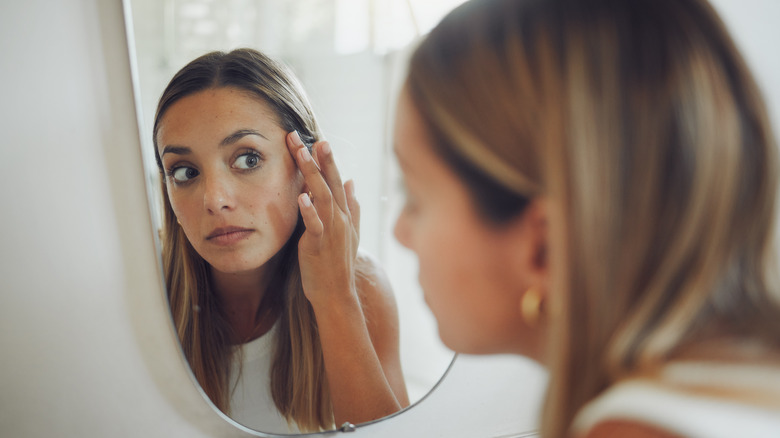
(695,399)
(251,403)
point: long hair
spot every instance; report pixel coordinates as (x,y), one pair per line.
(641,124)
(298,382)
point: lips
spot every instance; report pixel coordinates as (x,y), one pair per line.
(228,235)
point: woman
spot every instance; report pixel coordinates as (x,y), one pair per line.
(282,321)
(592,183)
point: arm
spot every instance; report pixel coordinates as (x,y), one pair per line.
(361,351)
(360,391)
(381,314)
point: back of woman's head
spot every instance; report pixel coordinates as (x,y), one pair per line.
(642,126)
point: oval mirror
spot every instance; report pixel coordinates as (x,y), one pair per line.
(349,56)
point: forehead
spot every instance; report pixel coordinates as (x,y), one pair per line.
(215,112)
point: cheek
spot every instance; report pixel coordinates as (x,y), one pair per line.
(293,178)
(466,288)
(277,209)
(276,188)
(446,271)
(180,205)
(442,240)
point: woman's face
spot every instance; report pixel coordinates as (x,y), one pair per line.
(229,177)
(468,269)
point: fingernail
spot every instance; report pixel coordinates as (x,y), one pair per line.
(297,139)
(304,154)
(325,148)
(305,200)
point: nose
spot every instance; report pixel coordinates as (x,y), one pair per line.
(401,231)
(218,195)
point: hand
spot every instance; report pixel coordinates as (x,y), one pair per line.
(359,389)
(328,248)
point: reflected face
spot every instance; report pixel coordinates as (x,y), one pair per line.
(466,266)
(229,177)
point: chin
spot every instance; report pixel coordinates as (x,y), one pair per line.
(459,344)
(236,266)
(466,344)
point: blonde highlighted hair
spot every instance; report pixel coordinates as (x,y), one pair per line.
(641,124)
(298,382)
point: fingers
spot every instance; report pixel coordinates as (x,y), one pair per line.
(321,173)
(352,203)
(310,217)
(311,173)
(329,170)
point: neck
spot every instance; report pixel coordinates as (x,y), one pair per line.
(241,297)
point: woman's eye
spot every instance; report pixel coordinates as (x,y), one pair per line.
(183,174)
(247,161)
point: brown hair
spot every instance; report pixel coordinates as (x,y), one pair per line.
(298,383)
(641,124)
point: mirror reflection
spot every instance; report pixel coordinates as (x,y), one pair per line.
(258,318)
(265,296)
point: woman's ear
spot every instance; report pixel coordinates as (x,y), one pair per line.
(532,241)
(527,243)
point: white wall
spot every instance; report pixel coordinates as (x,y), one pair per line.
(755,26)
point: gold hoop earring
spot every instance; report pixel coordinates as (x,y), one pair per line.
(531,306)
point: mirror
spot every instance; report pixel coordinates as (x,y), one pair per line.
(349,56)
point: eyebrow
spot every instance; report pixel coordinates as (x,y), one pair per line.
(179,150)
(238,135)
(230,139)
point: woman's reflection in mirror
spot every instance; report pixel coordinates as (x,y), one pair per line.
(285,325)
(592,184)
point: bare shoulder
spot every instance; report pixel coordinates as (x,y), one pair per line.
(626,428)
(377,300)
(381,314)
(373,286)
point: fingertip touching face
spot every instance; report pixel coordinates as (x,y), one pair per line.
(230,180)
(466,265)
